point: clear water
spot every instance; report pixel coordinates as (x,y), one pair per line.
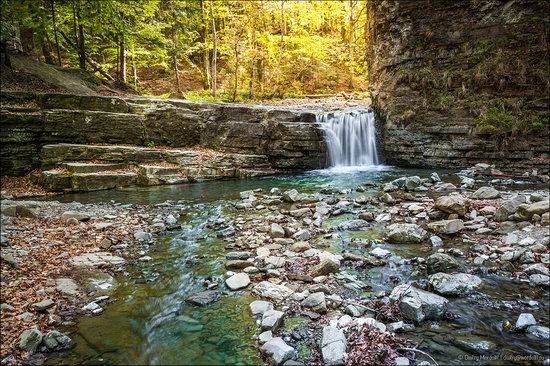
(149,323)
(312,181)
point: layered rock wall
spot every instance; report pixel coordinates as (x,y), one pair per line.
(288,138)
(460,82)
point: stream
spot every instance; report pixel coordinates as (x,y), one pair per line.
(149,321)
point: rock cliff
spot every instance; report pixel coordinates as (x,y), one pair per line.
(288,139)
(460,82)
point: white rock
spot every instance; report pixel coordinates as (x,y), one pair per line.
(238,281)
(525,320)
(278,350)
(380,253)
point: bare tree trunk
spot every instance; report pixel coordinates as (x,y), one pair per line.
(253,62)
(350,44)
(206,54)
(81,45)
(134,71)
(122,59)
(283,29)
(55,33)
(214,52)
(236,85)
(117,59)
(177,72)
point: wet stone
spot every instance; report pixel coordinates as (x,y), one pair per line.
(30,339)
(56,341)
(98,259)
(203,298)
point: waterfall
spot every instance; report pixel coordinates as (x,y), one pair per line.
(350,138)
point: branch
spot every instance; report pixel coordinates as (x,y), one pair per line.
(94,64)
(419,351)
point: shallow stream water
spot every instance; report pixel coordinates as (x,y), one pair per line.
(150,323)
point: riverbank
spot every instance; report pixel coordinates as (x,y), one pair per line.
(51,253)
(393,261)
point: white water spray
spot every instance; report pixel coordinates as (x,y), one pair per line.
(350,138)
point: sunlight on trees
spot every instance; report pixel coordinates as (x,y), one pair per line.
(236,48)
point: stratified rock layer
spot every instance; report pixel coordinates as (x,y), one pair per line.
(440,70)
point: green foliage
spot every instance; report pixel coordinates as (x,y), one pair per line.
(150,143)
(496,121)
(264,48)
(539,121)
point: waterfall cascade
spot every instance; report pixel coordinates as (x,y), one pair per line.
(350,138)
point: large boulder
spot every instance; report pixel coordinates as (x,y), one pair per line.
(459,284)
(406,233)
(446,226)
(452,204)
(333,346)
(507,208)
(485,193)
(203,298)
(441,262)
(328,263)
(526,211)
(272,291)
(278,350)
(418,305)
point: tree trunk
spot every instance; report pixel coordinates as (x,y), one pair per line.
(205,54)
(55,33)
(81,45)
(117,59)
(350,44)
(134,71)
(253,62)
(4,57)
(236,72)
(278,86)
(27,39)
(214,52)
(122,59)
(176,71)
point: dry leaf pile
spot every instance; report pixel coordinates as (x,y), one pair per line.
(367,345)
(49,243)
(20,187)
(386,312)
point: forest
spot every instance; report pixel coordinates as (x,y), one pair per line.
(275,182)
(229,50)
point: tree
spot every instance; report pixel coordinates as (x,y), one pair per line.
(214,52)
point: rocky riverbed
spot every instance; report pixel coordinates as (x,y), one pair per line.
(413,270)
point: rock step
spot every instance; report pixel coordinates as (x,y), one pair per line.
(53,155)
(56,180)
(160,170)
(86,167)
